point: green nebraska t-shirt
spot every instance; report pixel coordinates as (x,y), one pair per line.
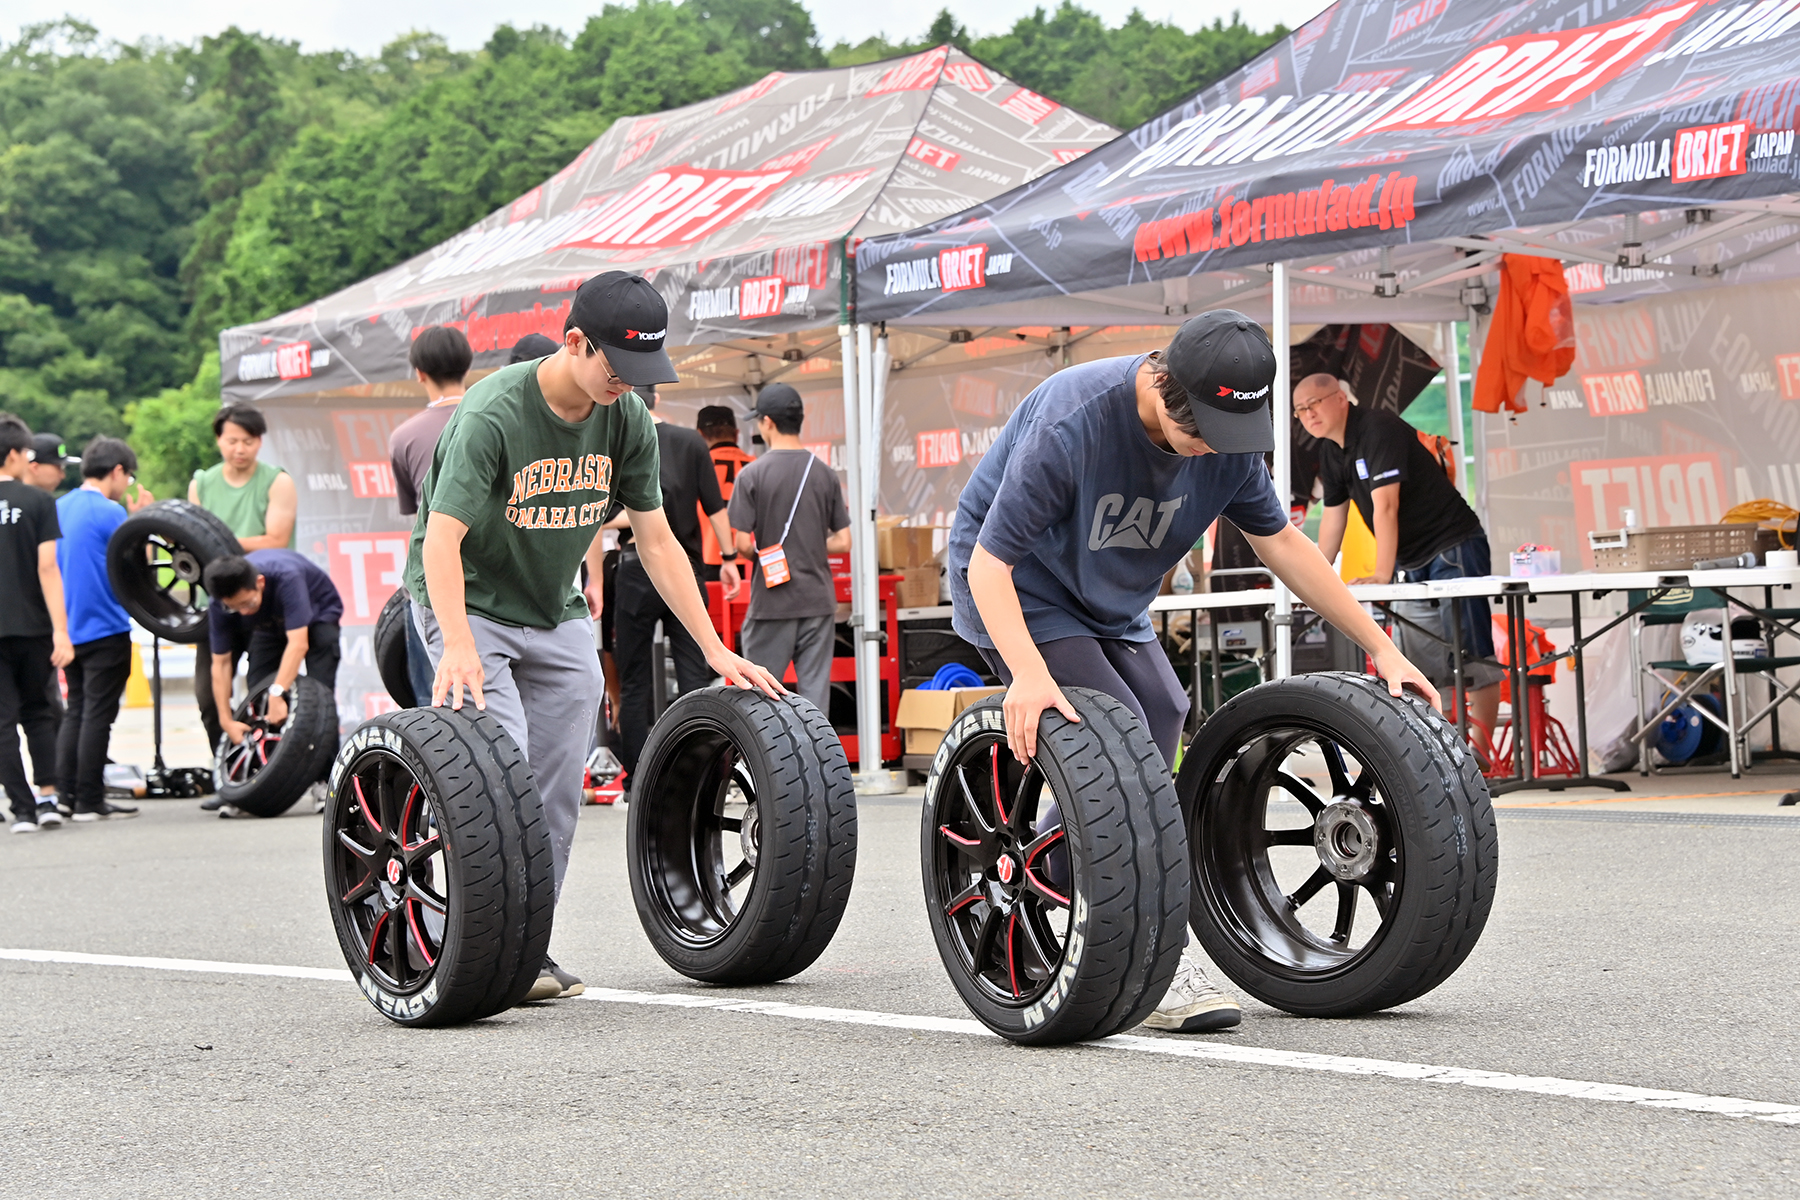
(533,490)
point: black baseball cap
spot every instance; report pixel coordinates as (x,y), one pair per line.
(532,345)
(778,400)
(716,416)
(1226,363)
(48,448)
(627,318)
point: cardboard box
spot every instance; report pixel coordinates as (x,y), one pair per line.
(918,587)
(903,546)
(926,715)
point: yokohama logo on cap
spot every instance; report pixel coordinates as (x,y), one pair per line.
(1225,391)
(637,336)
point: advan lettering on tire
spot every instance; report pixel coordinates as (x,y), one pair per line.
(1043,942)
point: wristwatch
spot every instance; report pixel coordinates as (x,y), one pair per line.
(729,558)
(276,691)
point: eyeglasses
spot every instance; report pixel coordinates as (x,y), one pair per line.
(1300,410)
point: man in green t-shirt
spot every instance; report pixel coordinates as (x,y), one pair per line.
(519,486)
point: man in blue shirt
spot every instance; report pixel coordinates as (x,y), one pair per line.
(283,610)
(98,626)
(1102,480)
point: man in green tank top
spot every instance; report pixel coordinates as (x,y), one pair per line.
(256,499)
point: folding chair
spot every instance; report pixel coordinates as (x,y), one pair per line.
(1672,608)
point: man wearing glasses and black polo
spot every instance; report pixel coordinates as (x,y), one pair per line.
(519,485)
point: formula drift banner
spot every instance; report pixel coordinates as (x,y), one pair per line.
(1677,408)
(1382,123)
(735,208)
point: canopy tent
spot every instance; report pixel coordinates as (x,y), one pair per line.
(736,208)
(1384,156)
(1396,149)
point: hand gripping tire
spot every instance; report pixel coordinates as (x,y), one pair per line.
(1055,932)
(1304,794)
(741,837)
(274,765)
(390,648)
(437,866)
(154,560)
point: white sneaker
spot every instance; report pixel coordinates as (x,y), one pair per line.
(25,827)
(1192,1005)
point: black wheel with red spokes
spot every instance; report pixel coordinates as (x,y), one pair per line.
(269,770)
(1344,847)
(437,866)
(741,835)
(1057,889)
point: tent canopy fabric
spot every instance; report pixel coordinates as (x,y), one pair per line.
(735,208)
(1399,146)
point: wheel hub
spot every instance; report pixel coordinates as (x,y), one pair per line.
(750,835)
(394,871)
(1347,840)
(186,566)
(1006,869)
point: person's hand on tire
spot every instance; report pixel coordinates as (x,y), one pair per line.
(1398,671)
(741,672)
(460,667)
(62,653)
(1026,701)
(237,731)
(278,709)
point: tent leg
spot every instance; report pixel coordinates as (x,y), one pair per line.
(1478,336)
(871,383)
(1282,404)
(1453,414)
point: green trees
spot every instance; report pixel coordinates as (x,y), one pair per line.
(152,194)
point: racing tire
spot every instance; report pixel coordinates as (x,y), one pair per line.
(1035,963)
(438,867)
(1320,801)
(741,835)
(390,647)
(154,561)
(274,765)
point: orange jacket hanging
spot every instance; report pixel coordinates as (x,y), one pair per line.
(1532,335)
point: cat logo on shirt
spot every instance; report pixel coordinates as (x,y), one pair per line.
(1142,528)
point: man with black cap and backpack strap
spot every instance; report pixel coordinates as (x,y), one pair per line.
(1102,480)
(519,485)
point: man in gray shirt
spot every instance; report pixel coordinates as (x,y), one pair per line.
(787,512)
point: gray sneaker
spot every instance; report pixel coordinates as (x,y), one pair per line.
(106,812)
(1192,1005)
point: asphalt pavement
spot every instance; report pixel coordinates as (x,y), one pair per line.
(1650,953)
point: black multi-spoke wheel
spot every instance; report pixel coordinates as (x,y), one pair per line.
(154,561)
(438,866)
(1344,849)
(1057,889)
(276,762)
(741,835)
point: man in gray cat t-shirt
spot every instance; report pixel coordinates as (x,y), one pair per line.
(788,514)
(1102,480)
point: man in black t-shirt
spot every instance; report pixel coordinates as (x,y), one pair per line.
(1423,527)
(689,487)
(34,630)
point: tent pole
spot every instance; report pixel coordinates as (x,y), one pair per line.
(853,457)
(1477,341)
(1453,414)
(1282,404)
(870,778)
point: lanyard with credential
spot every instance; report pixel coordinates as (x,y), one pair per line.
(774,559)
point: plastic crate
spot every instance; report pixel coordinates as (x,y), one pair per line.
(1673,547)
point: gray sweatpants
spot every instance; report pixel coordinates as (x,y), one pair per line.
(543,686)
(806,642)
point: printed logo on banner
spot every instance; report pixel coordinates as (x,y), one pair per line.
(755,91)
(1261,76)
(798,160)
(362,438)
(933,156)
(939,448)
(809,198)
(1711,151)
(1383,203)
(527,204)
(674,206)
(1583,278)
(635,150)
(760,297)
(1666,489)
(963,268)
(970,76)
(1028,106)
(294,360)
(366,567)
(912,74)
(1787,369)
(1410,19)
(1619,395)
(1068,156)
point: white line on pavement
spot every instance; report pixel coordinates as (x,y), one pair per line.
(1574,1089)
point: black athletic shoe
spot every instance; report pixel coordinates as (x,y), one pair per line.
(571,986)
(47,814)
(106,811)
(212,803)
